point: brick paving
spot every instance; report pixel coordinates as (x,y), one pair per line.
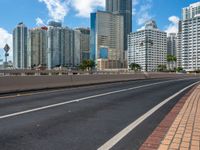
(184,134)
(180,129)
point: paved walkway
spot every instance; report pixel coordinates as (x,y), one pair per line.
(184,133)
(180,129)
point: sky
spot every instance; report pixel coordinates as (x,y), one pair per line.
(76,13)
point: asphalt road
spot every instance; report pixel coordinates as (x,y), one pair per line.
(86,118)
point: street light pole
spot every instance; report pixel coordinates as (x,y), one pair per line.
(146,42)
(146,50)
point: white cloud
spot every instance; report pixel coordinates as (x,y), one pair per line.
(173,26)
(135,3)
(143,14)
(6,38)
(85,7)
(142,28)
(58,9)
(39,22)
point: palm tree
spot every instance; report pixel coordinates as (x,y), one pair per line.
(135,67)
(162,68)
(171,61)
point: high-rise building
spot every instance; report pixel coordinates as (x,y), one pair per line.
(64,46)
(171,44)
(148,47)
(191,11)
(84,43)
(124,8)
(107,40)
(37,47)
(55,50)
(191,38)
(179,45)
(76,48)
(20,51)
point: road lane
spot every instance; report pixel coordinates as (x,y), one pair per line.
(84,125)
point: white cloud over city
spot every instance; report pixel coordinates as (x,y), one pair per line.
(144,13)
(57,9)
(5,38)
(39,22)
(173,26)
(85,7)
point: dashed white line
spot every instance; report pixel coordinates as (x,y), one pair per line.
(81,99)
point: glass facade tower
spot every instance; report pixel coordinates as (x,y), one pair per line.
(124,8)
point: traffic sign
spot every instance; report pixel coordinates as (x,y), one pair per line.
(6,48)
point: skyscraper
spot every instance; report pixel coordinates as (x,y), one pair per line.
(179,45)
(84,43)
(107,40)
(54,45)
(191,38)
(37,47)
(63,46)
(124,8)
(148,47)
(20,51)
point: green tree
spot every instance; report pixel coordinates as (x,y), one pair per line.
(179,69)
(171,62)
(135,67)
(162,68)
(87,65)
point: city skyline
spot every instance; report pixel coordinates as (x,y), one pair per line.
(74,14)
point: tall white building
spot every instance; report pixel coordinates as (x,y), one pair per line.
(148,47)
(179,45)
(191,38)
(20,51)
(107,43)
(37,47)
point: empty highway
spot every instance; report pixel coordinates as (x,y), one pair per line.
(117,116)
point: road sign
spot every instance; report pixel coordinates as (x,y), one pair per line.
(6,48)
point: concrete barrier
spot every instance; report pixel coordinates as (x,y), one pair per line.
(12,84)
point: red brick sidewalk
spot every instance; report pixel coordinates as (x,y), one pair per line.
(180,130)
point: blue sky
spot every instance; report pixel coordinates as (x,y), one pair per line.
(75,13)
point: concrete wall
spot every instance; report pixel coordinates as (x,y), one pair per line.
(25,83)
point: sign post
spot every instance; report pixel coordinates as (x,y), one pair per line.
(6,49)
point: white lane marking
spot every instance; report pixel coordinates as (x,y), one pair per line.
(81,99)
(42,92)
(114,140)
